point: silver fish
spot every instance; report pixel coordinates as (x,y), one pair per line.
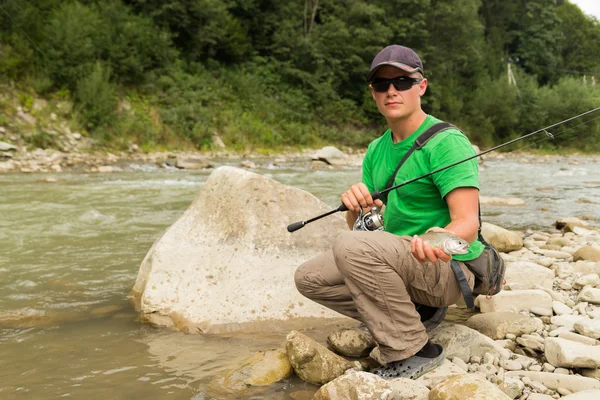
(449,243)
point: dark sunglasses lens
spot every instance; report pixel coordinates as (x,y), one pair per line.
(400,84)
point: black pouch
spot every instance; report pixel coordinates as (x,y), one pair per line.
(489,269)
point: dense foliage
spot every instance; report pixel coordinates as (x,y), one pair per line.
(272,73)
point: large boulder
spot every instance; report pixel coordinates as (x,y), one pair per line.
(569,354)
(516,301)
(588,253)
(496,325)
(468,386)
(502,239)
(229,259)
(407,389)
(313,362)
(330,155)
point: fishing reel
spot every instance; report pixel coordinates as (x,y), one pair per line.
(369,221)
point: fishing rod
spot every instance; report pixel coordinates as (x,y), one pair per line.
(377,194)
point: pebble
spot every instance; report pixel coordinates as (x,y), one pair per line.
(460,363)
(563,371)
(549,367)
(511,336)
(542,311)
(512,365)
(488,358)
(475,360)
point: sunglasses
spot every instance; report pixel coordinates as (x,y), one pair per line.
(400,83)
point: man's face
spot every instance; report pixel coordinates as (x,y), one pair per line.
(394,104)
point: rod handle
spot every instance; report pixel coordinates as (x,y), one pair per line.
(295,226)
(375,195)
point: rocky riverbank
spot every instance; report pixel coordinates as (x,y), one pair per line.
(538,339)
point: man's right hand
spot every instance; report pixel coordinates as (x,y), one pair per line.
(358,196)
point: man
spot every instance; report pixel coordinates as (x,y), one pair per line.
(378,277)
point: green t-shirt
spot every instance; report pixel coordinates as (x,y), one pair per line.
(416,207)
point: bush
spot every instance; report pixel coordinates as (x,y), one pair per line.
(95,98)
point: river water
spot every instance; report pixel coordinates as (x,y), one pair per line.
(71,248)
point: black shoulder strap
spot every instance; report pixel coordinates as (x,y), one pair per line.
(419,144)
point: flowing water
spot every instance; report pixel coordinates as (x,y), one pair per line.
(70,250)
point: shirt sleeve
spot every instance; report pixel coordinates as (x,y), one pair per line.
(451,148)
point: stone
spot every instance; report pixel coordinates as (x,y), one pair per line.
(501,201)
(578,338)
(587,253)
(502,239)
(497,325)
(587,267)
(105,168)
(351,342)
(512,387)
(468,386)
(541,311)
(566,353)
(459,362)
(590,373)
(560,308)
(7,146)
(355,385)
(528,274)
(589,294)
(407,389)
(516,301)
(261,369)
(567,224)
(567,321)
(313,362)
(224,270)
(439,374)
(330,155)
(248,164)
(463,342)
(554,381)
(532,344)
(586,280)
(560,255)
(584,395)
(539,396)
(589,328)
(193,162)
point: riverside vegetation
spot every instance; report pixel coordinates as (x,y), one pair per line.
(123,74)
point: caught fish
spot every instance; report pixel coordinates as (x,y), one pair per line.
(449,243)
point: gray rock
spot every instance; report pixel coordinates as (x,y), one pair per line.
(313,362)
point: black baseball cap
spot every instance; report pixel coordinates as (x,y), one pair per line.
(397,56)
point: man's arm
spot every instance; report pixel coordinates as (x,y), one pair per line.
(463,204)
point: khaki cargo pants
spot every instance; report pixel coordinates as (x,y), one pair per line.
(374,278)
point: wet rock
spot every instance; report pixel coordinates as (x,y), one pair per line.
(263,368)
(313,362)
(588,253)
(193,162)
(497,325)
(351,342)
(516,301)
(440,374)
(468,386)
(407,389)
(355,385)
(565,353)
(554,381)
(239,267)
(502,239)
(528,274)
(463,342)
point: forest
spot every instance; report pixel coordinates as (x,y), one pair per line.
(274,74)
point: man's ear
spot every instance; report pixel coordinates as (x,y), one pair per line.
(372,91)
(422,87)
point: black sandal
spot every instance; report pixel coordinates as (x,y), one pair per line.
(412,367)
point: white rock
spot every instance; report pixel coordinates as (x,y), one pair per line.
(539,396)
(578,338)
(407,389)
(440,373)
(554,381)
(541,311)
(357,385)
(468,386)
(213,271)
(584,395)
(529,274)
(498,325)
(530,343)
(513,387)
(521,300)
(589,279)
(560,309)
(567,320)
(463,342)
(501,201)
(589,328)
(565,353)
(502,239)
(589,294)
(561,255)
(459,362)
